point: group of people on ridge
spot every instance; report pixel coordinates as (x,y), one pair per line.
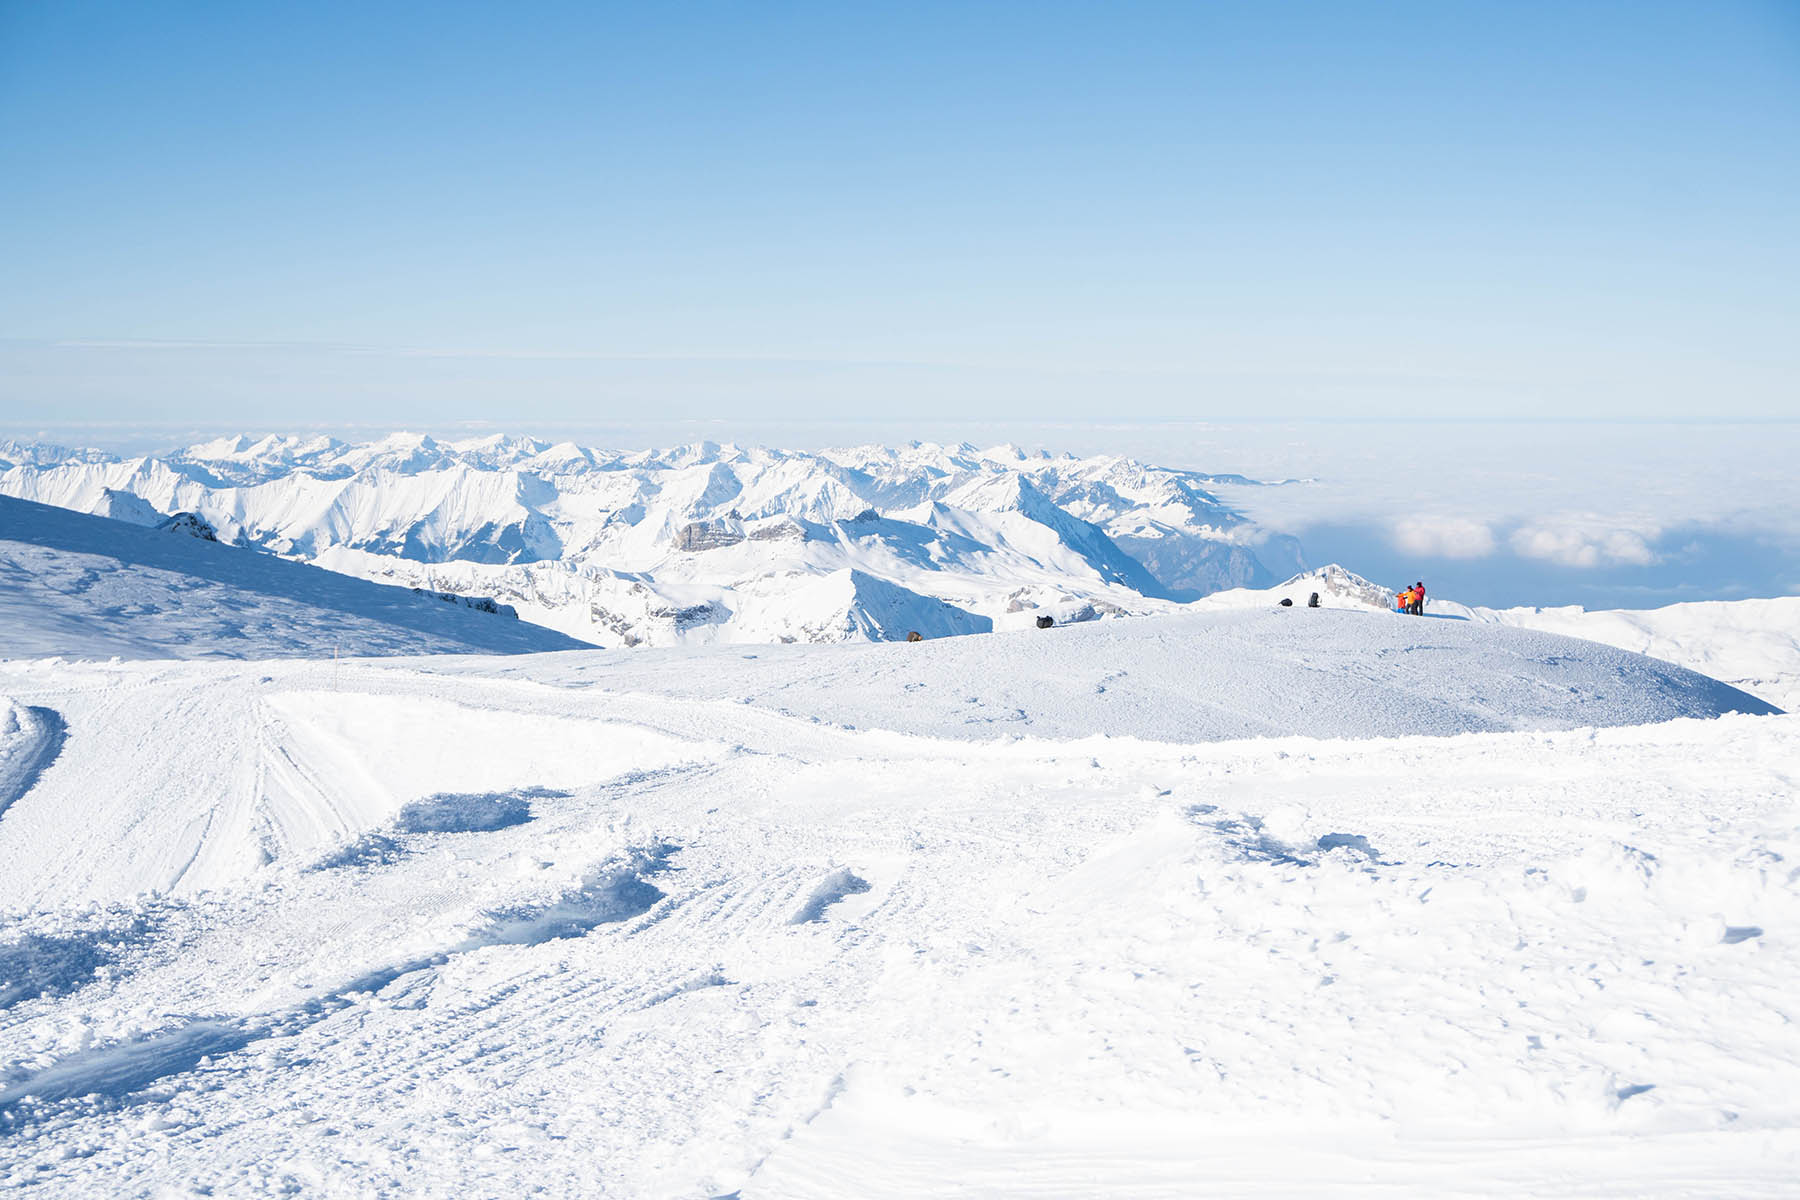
(1411,600)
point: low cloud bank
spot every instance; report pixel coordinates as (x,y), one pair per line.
(1443,537)
(1564,559)
(1583,546)
(1581,541)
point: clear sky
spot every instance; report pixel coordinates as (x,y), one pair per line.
(271,215)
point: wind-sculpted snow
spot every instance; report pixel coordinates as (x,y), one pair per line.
(30,739)
(195,780)
(701,543)
(590,924)
(83,586)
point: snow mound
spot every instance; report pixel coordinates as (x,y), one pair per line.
(835,888)
(617,891)
(84,586)
(1206,676)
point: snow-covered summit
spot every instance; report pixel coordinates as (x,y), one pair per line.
(616,546)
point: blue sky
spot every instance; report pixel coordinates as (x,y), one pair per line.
(267,215)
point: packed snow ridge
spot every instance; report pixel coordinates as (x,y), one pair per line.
(701,543)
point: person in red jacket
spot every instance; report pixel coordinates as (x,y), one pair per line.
(1418,599)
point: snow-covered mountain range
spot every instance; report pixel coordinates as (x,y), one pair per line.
(702,543)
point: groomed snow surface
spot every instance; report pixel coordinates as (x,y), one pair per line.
(1172,907)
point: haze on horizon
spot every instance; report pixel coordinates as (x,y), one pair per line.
(428,214)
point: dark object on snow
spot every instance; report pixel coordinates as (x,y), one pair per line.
(1046,622)
(1286,603)
(192,524)
(486,604)
(1313,600)
(915,636)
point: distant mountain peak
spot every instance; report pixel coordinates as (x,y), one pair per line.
(703,541)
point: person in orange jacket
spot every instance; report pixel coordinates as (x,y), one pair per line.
(1403,600)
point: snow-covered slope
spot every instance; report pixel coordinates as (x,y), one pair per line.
(1265,672)
(1753,645)
(85,586)
(272,778)
(701,543)
(806,920)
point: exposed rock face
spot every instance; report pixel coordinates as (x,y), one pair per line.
(191,524)
(698,536)
(486,604)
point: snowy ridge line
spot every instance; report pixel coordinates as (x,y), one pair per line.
(73,585)
(701,543)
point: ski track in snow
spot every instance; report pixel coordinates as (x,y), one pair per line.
(594,925)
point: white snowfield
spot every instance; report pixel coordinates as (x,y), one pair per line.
(994,916)
(79,585)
